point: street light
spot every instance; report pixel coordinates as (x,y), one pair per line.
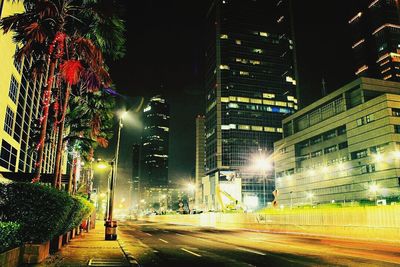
(374,189)
(263,164)
(111,225)
(310,196)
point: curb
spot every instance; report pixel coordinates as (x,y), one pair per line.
(132,261)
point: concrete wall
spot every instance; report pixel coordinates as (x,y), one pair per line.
(370,223)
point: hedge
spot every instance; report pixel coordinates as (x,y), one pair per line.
(41,211)
(9,236)
(82,208)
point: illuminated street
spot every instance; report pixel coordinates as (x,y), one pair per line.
(155,244)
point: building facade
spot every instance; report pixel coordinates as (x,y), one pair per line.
(20,98)
(344,147)
(376,40)
(250,87)
(200,158)
(135,181)
(155,138)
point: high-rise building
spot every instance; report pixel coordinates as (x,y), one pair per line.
(200,158)
(376,43)
(344,147)
(19,105)
(135,182)
(155,138)
(250,87)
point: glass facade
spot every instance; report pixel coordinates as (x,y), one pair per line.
(155,138)
(250,85)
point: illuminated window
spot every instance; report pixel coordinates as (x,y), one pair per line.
(290,98)
(268,102)
(255,62)
(279,130)
(244,127)
(244,73)
(224,99)
(224,36)
(255,101)
(280,103)
(233,105)
(258,50)
(257,128)
(387,77)
(242,60)
(228,127)
(290,105)
(264,34)
(232,98)
(270,129)
(289,79)
(266,95)
(224,67)
(243,99)
(238,42)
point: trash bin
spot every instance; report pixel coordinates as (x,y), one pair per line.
(111,230)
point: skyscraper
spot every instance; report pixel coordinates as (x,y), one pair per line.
(155,138)
(135,182)
(200,157)
(376,43)
(250,87)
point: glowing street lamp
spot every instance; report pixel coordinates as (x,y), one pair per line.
(310,195)
(263,164)
(378,157)
(373,188)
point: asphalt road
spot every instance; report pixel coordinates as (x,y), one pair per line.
(156,244)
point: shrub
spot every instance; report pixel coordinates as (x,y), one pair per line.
(41,211)
(81,209)
(9,236)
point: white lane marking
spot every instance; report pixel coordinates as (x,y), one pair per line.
(165,241)
(148,234)
(179,234)
(251,251)
(191,252)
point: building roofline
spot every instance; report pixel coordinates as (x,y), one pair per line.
(363,82)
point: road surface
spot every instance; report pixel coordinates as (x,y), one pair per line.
(159,244)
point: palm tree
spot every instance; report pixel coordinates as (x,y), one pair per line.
(90,123)
(42,30)
(85,66)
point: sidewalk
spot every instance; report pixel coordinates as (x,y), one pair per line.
(89,249)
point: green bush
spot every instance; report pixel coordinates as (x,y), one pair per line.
(9,236)
(41,211)
(81,209)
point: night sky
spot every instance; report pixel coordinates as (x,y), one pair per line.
(165,55)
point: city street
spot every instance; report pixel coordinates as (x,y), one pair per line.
(156,244)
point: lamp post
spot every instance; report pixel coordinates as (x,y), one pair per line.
(111,225)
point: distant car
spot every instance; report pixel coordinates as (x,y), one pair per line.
(194,211)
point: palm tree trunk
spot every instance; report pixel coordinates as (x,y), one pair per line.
(46,100)
(57,170)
